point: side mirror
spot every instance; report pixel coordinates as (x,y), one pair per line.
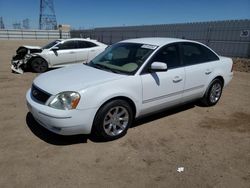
(55,48)
(158,66)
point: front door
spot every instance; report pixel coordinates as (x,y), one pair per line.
(163,89)
(66,54)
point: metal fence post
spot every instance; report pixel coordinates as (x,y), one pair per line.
(110,38)
(208,36)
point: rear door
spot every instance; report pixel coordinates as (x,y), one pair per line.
(86,51)
(163,89)
(198,68)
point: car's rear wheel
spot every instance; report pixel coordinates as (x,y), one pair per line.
(112,120)
(39,65)
(213,93)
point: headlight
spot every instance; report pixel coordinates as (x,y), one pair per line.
(65,101)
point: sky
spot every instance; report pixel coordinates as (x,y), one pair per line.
(107,13)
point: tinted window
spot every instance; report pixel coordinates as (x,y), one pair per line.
(51,44)
(196,53)
(68,45)
(211,56)
(85,44)
(168,55)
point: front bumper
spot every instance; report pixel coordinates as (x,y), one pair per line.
(16,66)
(63,122)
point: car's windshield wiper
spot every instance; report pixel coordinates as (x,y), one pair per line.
(101,66)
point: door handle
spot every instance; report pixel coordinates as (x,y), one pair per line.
(71,52)
(208,71)
(177,79)
(92,50)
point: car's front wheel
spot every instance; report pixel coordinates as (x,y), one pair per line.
(213,93)
(39,65)
(112,120)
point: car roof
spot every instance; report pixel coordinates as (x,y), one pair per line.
(83,39)
(158,41)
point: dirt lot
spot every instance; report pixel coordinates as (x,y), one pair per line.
(212,144)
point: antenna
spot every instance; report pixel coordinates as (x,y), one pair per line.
(47,18)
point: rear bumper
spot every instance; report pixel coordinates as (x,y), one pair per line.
(228,78)
(63,122)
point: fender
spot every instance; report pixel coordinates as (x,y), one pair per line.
(102,93)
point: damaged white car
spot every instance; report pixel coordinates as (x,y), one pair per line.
(58,53)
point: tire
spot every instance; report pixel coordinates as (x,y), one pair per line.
(112,120)
(39,65)
(213,93)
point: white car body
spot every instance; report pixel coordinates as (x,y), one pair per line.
(147,93)
(58,56)
(64,57)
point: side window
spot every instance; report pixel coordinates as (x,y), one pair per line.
(85,44)
(90,44)
(196,53)
(169,55)
(211,56)
(67,45)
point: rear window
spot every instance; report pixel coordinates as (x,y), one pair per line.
(195,53)
(86,44)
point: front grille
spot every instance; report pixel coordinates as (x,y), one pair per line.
(40,95)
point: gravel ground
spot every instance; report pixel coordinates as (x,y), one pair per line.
(212,144)
(241,64)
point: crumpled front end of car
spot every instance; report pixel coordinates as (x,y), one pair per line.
(20,61)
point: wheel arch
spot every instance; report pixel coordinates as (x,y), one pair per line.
(204,101)
(209,82)
(221,79)
(124,98)
(127,99)
(38,56)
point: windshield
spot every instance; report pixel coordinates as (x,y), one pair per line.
(47,46)
(124,58)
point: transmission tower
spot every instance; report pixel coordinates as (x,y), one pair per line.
(16,25)
(1,23)
(47,17)
(26,23)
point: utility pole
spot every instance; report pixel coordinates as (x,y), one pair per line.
(1,23)
(47,17)
(26,23)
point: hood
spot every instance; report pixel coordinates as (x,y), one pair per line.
(73,78)
(32,49)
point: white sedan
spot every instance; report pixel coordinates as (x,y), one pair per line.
(56,54)
(129,79)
